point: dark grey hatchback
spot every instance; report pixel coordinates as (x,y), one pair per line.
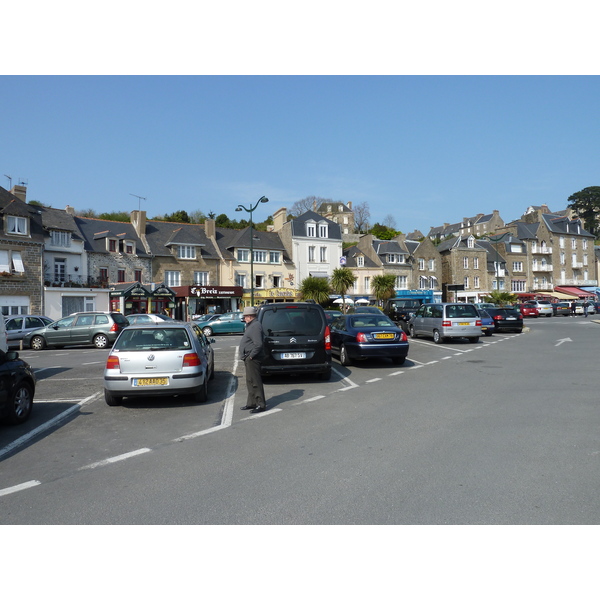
(297,339)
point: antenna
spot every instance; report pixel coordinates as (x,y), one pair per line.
(140,198)
(9,181)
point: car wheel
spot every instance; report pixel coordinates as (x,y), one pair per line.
(412,332)
(20,405)
(325,376)
(100,341)
(37,342)
(111,399)
(207,331)
(488,333)
(473,340)
(202,395)
(344,358)
(437,338)
(398,360)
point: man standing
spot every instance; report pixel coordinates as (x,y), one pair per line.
(585,308)
(252,352)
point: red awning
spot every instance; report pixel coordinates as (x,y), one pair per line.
(573,291)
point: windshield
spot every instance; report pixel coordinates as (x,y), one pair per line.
(156,338)
(292,321)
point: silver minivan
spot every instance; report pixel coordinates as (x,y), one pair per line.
(446,320)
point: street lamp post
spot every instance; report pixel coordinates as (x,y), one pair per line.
(251,210)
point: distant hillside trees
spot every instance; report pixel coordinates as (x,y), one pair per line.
(586,204)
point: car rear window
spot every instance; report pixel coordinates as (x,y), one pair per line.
(119,319)
(155,338)
(292,321)
(457,311)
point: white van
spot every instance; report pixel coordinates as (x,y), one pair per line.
(3,335)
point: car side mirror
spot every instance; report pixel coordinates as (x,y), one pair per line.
(12,355)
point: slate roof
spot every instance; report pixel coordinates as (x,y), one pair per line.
(563,225)
(12,206)
(383,247)
(352,252)
(160,235)
(55,219)
(335,207)
(231,239)
(444,230)
(95,232)
(299,225)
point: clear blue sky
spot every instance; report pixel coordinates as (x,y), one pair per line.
(424,149)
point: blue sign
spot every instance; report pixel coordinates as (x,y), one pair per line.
(342,260)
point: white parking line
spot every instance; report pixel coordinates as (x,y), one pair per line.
(395,373)
(18,488)
(47,425)
(115,459)
(373,380)
(308,400)
(270,411)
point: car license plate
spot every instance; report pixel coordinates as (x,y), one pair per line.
(150,381)
(384,336)
(464,323)
(292,355)
(511,318)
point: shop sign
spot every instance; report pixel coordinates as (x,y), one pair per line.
(275,293)
(215,291)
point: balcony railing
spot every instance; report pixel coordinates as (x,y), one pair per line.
(578,282)
(77,281)
(545,268)
(542,286)
(541,251)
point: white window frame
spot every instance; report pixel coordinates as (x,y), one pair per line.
(311,230)
(311,254)
(465,262)
(517,266)
(243,255)
(275,257)
(323,254)
(323,230)
(401,282)
(60,238)
(16,225)
(201,277)
(240,280)
(260,256)
(360,261)
(186,252)
(172,278)
(476,262)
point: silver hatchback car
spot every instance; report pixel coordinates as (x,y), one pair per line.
(163,359)
(446,320)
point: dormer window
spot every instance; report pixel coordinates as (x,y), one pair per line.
(323,230)
(471,242)
(187,252)
(16,225)
(311,230)
(60,238)
(112,245)
(128,248)
(360,261)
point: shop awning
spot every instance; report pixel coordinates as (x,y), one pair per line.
(561,296)
(572,291)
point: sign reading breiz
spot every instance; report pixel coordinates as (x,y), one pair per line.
(216,291)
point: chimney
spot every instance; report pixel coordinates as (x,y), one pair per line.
(349,205)
(138,220)
(20,191)
(209,228)
(70,210)
(314,206)
(279,219)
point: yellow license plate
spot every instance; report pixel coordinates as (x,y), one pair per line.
(464,323)
(150,381)
(384,336)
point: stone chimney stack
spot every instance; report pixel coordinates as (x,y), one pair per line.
(20,191)
(279,219)
(138,220)
(210,228)
(70,210)
(349,205)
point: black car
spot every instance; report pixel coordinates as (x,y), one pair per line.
(331,315)
(17,388)
(360,336)
(297,339)
(506,319)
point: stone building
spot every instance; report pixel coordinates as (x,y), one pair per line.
(21,254)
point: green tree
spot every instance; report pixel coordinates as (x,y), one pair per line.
(501,298)
(586,204)
(382,232)
(179,216)
(122,217)
(342,280)
(383,286)
(315,288)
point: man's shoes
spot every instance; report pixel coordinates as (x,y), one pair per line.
(247,407)
(258,409)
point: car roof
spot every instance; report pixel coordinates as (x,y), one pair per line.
(163,324)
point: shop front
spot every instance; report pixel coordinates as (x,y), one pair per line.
(134,298)
(271,295)
(194,300)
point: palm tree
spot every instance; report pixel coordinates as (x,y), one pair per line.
(315,288)
(342,280)
(501,298)
(383,286)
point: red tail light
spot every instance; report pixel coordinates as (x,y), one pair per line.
(191,360)
(112,362)
(497,317)
(446,323)
(478,323)
(114,327)
(361,337)
(403,337)
(327,338)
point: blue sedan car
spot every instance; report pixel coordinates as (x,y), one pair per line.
(487,323)
(361,336)
(230,322)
